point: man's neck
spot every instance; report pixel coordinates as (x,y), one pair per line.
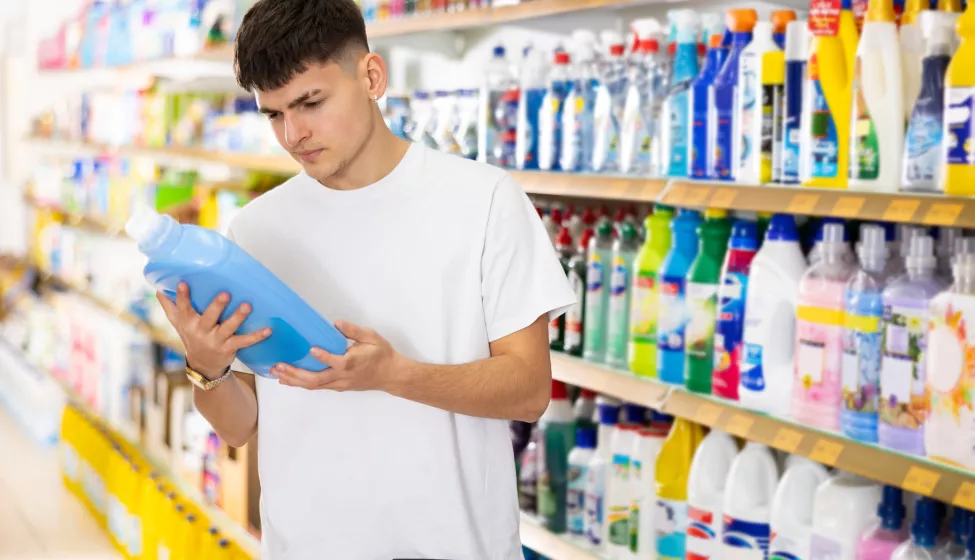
(379,156)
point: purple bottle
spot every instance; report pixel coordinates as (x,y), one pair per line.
(905,325)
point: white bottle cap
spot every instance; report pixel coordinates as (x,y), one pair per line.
(144,224)
(763,30)
(921,254)
(797,40)
(938,27)
(646,28)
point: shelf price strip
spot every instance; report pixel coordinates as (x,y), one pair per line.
(920,481)
(901,210)
(826,452)
(802,203)
(848,206)
(943,214)
(787,440)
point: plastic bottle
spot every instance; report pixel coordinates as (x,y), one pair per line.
(959,175)
(945,249)
(780,24)
(646,292)
(723,129)
(767,359)
(826,102)
(844,507)
(579,459)
(599,466)
(673,312)
(758,104)
(643,466)
(961,525)
(699,95)
(880,541)
(556,327)
(950,426)
(702,300)
(597,292)
(912,50)
(677,108)
(672,471)
(498,78)
(705,493)
(550,114)
(639,111)
(817,390)
(923,144)
(608,109)
(577,111)
(533,87)
(211,264)
(796,53)
(528,474)
(730,326)
(576,313)
(618,480)
(620,295)
(584,409)
(556,431)
(792,509)
(924,533)
(748,503)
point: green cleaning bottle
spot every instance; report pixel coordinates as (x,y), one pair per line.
(597,292)
(643,311)
(620,292)
(575,316)
(702,300)
(556,327)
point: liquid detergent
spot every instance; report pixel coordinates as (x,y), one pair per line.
(950,426)
(923,144)
(646,291)
(672,471)
(498,78)
(699,95)
(556,327)
(730,325)
(597,292)
(817,389)
(767,359)
(618,480)
(780,25)
(598,471)
(844,507)
(211,264)
(912,50)
(639,112)
(758,106)
(579,459)
(827,99)
(643,466)
(924,533)
(625,248)
(959,161)
(577,110)
(748,504)
(609,105)
(677,108)
(702,300)
(880,541)
(575,315)
(862,337)
(722,125)
(556,431)
(550,114)
(673,313)
(796,52)
(792,509)
(705,494)
(533,88)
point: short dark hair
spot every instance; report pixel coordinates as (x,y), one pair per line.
(278,39)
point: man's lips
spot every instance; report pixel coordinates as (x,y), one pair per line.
(309,155)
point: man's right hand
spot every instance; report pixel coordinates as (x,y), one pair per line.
(210,346)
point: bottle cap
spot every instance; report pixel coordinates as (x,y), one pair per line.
(964,246)
(646,28)
(920,254)
(938,27)
(926,524)
(715,213)
(604,229)
(763,29)
(557,216)
(145,224)
(588,218)
(797,40)
(586,437)
(561,57)
(833,233)
(963,271)
(558,390)
(662,209)
(872,248)
(741,21)
(906,234)
(609,414)
(716,41)
(744,235)
(635,414)
(782,227)
(829,220)
(911,10)
(712,27)
(781,20)
(688,25)
(587,236)
(961,522)
(891,509)
(498,51)
(627,231)
(587,394)
(880,11)
(564,239)
(949,5)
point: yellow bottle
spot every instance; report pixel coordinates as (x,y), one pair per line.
(672,469)
(949,5)
(959,144)
(826,102)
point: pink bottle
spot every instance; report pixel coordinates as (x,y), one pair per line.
(818,386)
(880,541)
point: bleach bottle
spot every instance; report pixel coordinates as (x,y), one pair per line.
(579,459)
(533,88)
(702,300)
(957,152)
(625,248)
(673,314)
(609,105)
(721,107)
(705,493)
(699,92)
(556,433)
(796,52)
(792,509)
(211,264)
(646,291)
(677,109)
(643,466)
(844,507)
(758,103)
(597,293)
(672,472)
(618,480)
(730,326)
(748,504)
(550,114)
(577,110)
(640,109)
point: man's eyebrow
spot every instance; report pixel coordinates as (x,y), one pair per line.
(304,97)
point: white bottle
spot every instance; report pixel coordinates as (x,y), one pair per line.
(876,126)
(770,327)
(643,463)
(792,508)
(599,465)
(748,504)
(844,507)
(754,126)
(705,493)
(579,459)
(618,481)
(912,47)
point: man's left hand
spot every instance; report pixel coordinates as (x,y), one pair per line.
(370,364)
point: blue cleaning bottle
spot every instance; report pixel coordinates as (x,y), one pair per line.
(723,129)
(533,73)
(577,111)
(673,314)
(609,106)
(677,108)
(796,52)
(717,53)
(210,264)
(550,114)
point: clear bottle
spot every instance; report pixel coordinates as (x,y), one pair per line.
(961,525)
(598,292)
(947,239)
(498,78)
(577,111)
(639,119)
(550,114)
(609,105)
(924,533)
(625,248)
(532,79)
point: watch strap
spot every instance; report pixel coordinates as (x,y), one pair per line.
(204,383)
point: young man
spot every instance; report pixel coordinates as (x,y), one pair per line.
(439,272)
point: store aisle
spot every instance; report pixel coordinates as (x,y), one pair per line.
(39,519)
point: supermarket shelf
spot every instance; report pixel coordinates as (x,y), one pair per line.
(77,220)
(590,186)
(557,547)
(944,482)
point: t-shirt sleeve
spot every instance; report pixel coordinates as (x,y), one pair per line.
(237,365)
(521,277)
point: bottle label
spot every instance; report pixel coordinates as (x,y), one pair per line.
(729,330)
(756,313)
(550,126)
(749,120)
(672,317)
(824,17)
(959,122)
(824,144)
(824,548)
(701,303)
(744,540)
(606,132)
(643,314)
(574,315)
(794,71)
(923,147)
(861,370)
(595,496)
(635,143)
(576,500)
(902,403)
(773,107)
(702,533)
(526,155)
(618,511)
(619,309)
(637,495)
(555,330)
(819,356)
(678,111)
(865,147)
(785,547)
(670,527)
(699,131)
(723,133)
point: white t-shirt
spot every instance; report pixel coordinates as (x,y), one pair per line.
(440,257)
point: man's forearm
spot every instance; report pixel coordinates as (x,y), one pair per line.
(231,408)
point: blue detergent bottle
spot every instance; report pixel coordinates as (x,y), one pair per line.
(717,53)
(673,314)
(210,264)
(721,105)
(677,110)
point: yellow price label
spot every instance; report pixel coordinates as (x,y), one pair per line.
(707,414)
(826,452)
(739,425)
(943,214)
(921,481)
(697,196)
(901,210)
(802,203)
(965,497)
(723,197)
(787,439)
(848,206)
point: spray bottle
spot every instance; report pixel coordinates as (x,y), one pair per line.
(717,53)
(550,113)
(780,24)
(721,107)
(677,107)
(533,87)
(639,116)
(577,111)
(608,109)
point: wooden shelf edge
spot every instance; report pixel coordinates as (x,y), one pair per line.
(546,543)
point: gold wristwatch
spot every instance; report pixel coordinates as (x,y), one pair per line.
(201,381)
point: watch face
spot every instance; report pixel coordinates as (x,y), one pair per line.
(196,379)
